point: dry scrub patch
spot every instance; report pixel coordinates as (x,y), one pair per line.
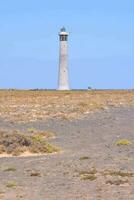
(88,175)
(117,182)
(26,106)
(115,177)
(118,173)
(18,143)
(10,169)
(35,174)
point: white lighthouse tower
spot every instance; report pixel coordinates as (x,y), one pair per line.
(63,82)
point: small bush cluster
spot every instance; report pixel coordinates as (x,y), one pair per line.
(17,143)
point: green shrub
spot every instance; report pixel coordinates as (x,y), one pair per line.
(11,184)
(123,142)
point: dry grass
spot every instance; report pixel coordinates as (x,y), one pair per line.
(18,143)
(25,106)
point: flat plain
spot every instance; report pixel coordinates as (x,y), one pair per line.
(94,131)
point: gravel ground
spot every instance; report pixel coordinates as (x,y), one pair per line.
(90,166)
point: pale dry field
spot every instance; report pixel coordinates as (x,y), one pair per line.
(28,106)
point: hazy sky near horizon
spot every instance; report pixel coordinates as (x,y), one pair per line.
(101,43)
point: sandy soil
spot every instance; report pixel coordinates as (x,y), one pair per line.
(90,166)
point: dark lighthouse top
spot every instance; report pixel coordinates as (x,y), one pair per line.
(63,34)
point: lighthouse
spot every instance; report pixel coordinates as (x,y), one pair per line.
(63,79)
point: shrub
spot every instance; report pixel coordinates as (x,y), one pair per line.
(37,138)
(31,130)
(84,158)
(11,184)
(10,169)
(123,142)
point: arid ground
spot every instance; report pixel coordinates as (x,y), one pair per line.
(94,134)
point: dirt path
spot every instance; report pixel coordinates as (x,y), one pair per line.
(90,167)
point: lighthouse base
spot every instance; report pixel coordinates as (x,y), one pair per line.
(63,88)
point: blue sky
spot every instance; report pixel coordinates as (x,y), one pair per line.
(101,43)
